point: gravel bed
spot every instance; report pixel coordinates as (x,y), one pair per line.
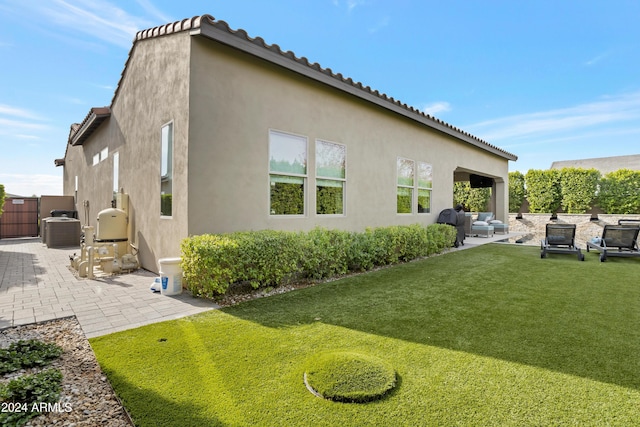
(86,398)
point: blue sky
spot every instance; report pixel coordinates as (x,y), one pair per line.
(545,80)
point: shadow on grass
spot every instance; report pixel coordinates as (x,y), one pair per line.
(499,301)
(158,410)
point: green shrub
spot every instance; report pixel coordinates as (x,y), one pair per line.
(29,392)
(517,192)
(211,263)
(619,192)
(578,189)
(27,354)
(325,253)
(2,196)
(473,199)
(543,190)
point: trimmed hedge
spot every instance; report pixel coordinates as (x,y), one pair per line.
(212,262)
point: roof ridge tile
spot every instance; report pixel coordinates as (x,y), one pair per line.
(198,21)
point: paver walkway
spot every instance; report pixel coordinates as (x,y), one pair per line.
(37,285)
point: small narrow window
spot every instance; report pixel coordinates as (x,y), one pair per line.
(116,173)
(287,173)
(166,170)
(405,184)
(331,162)
(425,186)
(96,159)
(104,153)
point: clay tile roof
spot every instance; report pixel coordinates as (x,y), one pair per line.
(80,132)
(207,26)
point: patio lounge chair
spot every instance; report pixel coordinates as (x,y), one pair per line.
(617,240)
(481,226)
(560,239)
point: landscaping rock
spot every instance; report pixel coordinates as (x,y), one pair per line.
(87,398)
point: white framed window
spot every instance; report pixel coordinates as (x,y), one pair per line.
(405,185)
(331,177)
(287,173)
(96,159)
(166,169)
(104,153)
(425,186)
(116,173)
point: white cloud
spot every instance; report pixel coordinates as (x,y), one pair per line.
(8,110)
(154,11)
(384,22)
(436,107)
(561,123)
(97,18)
(596,59)
(29,185)
(352,4)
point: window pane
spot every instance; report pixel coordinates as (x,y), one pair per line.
(405,197)
(330,159)
(424,201)
(287,153)
(425,175)
(116,161)
(329,197)
(287,195)
(405,171)
(166,170)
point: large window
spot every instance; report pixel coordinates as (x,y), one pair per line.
(412,181)
(425,185)
(331,161)
(405,184)
(287,173)
(166,169)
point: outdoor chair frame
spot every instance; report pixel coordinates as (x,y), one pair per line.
(617,241)
(560,239)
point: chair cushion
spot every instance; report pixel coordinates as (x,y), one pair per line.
(485,216)
(495,221)
(485,223)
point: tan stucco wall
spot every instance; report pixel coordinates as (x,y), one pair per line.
(236,99)
(152,93)
(222,104)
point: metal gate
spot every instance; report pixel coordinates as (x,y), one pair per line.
(20,218)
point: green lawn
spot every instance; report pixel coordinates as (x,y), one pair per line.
(492,335)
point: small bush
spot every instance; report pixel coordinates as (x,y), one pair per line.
(28,392)
(27,354)
(211,263)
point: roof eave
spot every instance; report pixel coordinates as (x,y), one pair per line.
(219,31)
(94,119)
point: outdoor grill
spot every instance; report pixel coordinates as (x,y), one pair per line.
(454,218)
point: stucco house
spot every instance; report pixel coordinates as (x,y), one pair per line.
(212,131)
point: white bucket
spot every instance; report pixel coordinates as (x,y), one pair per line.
(170,276)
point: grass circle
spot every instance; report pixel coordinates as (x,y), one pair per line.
(344,376)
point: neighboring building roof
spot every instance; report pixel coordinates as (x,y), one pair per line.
(208,27)
(602,164)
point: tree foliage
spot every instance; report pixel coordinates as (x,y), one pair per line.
(620,192)
(2,196)
(473,199)
(543,190)
(578,189)
(517,191)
